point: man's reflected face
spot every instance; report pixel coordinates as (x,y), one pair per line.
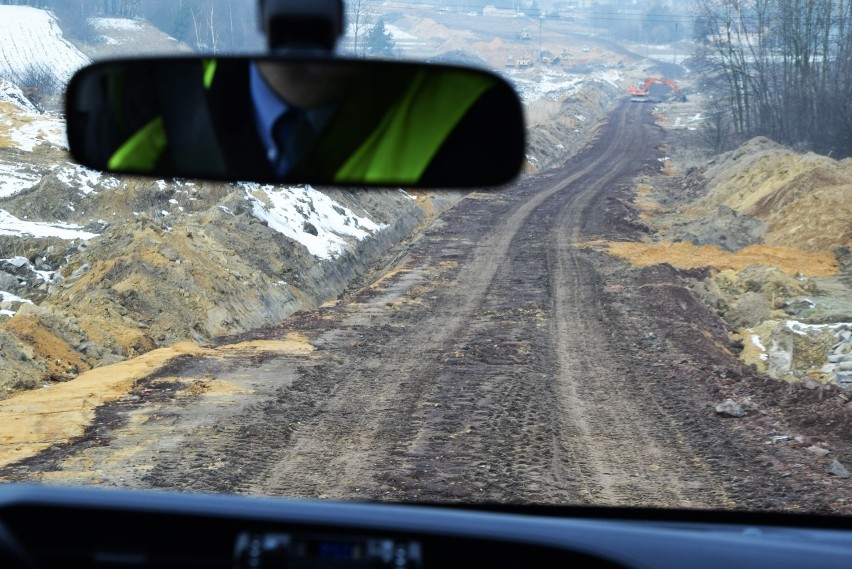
(309,85)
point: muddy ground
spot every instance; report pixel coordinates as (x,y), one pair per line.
(493,360)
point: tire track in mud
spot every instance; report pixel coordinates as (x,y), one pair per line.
(479,369)
(424,416)
(634,453)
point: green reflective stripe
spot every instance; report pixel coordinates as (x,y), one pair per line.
(209,71)
(142,150)
(432,107)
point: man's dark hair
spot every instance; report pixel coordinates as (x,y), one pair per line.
(301,24)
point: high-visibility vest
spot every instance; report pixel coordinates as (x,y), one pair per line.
(432,106)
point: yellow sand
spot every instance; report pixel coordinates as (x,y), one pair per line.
(688,256)
(32,421)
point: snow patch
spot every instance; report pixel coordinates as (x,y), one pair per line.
(802,329)
(400,34)
(12,94)
(9,297)
(84,179)
(309,217)
(29,131)
(15,178)
(755,339)
(23,125)
(123,24)
(555,84)
(11,225)
(545,84)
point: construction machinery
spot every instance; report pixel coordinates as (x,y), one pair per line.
(639,94)
(523,62)
(549,58)
(524,34)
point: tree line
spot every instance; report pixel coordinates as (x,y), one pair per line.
(209,25)
(778,68)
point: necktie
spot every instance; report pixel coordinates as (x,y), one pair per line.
(293,135)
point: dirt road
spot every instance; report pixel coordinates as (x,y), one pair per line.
(495,361)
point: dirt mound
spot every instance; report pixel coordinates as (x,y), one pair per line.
(116,37)
(426,28)
(783,188)
(560,127)
(154,280)
(773,227)
(725,228)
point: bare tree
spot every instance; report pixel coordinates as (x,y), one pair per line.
(358,20)
(784,67)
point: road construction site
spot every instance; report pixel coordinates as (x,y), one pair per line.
(581,336)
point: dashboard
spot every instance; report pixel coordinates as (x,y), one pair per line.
(46,526)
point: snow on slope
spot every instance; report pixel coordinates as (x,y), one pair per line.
(554,83)
(22,126)
(309,217)
(11,225)
(16,177)
(31,39)
(12,94)
(108,26)
(115,24)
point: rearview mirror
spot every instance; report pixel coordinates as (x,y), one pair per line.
(318,121)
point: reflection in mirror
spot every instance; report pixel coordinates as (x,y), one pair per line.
(325,121)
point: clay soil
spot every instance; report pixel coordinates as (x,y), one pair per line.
(493,359)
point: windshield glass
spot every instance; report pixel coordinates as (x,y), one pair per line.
(655,313)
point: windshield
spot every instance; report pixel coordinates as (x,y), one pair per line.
(655,313)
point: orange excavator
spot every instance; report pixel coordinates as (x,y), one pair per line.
(639,94)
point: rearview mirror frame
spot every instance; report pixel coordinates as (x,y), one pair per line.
(484,142)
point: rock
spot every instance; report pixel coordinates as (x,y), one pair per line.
(8,282)
(91,350)
(811,384)
(819,451)
(838,469)
(730,408)
(17,262)
(726,228)
(749,310)
(799,306)
(309,228)
(170,254)
(845,366)
(81,270)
